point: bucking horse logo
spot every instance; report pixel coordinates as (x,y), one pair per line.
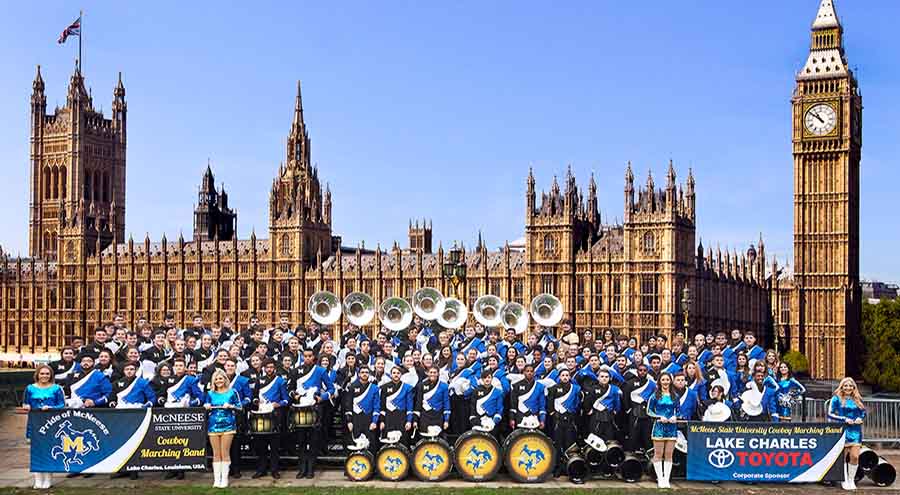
(358,467)
(392,464)
(478,458)
(74,444)
(432,461)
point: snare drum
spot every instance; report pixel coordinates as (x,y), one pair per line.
(392,462)
(302,417)
(262,423)
(529,455)
(359,465)
(476,456)
(431,459)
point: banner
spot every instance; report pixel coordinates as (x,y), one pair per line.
(765,452)
(114,440)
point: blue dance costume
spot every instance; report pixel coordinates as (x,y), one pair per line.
(839,411)
(37,398)
(222,420)
(787,389)
(664,407)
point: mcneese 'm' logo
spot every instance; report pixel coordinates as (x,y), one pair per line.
(74,444)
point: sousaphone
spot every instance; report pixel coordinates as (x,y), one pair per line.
(324,307)
(359,308)
(428,303)
(487,310)
(547,310)
(454,314)
(395,314)
(514,316)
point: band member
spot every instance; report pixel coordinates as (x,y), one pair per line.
(565,401)
(99,343)
(397,410)
(846,406)
(155,354)
(757,403)
(753,351)
(204,355)
(65,366)
(42,395)
(637,390)
(788,389)
(271,393)
(487,404)
(718,375)
(716,409)
(602,403)
(460,381)
(362,407)
(663,407)
(687,398)
(309,386)
(432,404)
(87,387)
(131,391)
(527,399)
(222,402)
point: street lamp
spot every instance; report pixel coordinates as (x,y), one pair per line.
(686,308)
(455,269)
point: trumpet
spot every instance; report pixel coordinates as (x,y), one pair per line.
(547,310)
(428,303)
(395,314)
(454,314)
(359,308)
(487,310)
(324,307)
(514,316)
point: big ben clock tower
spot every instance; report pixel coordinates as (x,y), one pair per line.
(827,137)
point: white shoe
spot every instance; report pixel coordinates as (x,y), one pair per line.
(216,469)
(658,469)
(224,475)
(851,475)
(38,481)
(845,484)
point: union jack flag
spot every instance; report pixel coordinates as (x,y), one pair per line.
(74,29)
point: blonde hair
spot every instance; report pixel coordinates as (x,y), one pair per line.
(37,371)
(212,380)
(854,396)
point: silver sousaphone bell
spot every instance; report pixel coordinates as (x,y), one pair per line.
(514,316)
(454,314)
(547,310)
(359,308)
(487,310)
(428,303)
(324,307)
(395,314)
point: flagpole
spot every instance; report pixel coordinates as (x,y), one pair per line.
(80,37)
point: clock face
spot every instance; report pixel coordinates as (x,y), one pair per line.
(820,119)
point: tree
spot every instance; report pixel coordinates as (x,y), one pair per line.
(881,337)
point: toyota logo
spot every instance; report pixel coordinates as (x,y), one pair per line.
(721,458)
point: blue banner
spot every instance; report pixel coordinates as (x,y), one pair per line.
(113,440)
(765,452)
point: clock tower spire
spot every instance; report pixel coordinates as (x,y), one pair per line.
(827,140)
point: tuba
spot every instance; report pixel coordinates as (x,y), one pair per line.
(454,314)
(359,308)
(514,316)
(428,303)
(487,310)
(324,307)
(547,310)
(395,314)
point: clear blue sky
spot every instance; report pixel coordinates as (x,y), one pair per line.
(436,109)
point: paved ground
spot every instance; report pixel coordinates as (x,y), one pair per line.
(14,460)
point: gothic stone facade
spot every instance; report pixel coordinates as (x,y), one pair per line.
(629,277)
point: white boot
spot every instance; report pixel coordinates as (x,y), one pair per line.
(658,469)
(226,465)
(216,469)
(851,475)
(667,471)
(38,481)
(846,484)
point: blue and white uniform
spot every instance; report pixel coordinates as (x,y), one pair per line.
(92,385)
(787,390)
(842,410)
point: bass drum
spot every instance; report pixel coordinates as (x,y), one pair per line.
(476,456)
(529,455)
(359,466)
(431,459)
(392,462)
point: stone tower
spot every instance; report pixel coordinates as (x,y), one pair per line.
(827,138)
(77,172)
(213,219)
(420,236)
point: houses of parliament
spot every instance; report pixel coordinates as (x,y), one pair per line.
(81,271)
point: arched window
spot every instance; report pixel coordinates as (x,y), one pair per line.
(285,245)
(47,180)
(62,182)
(649,243)
(97,187)
(55,183)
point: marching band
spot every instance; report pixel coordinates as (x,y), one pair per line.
(536,401)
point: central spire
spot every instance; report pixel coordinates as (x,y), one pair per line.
(826,18)
(298,110)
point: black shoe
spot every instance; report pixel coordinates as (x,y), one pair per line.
(170,475)
(236,474)
(132,476)
(258,474)
(73,475)
(578,481)
(301,473)
(310,472)
(276,475)
(179,475)
(88,476)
